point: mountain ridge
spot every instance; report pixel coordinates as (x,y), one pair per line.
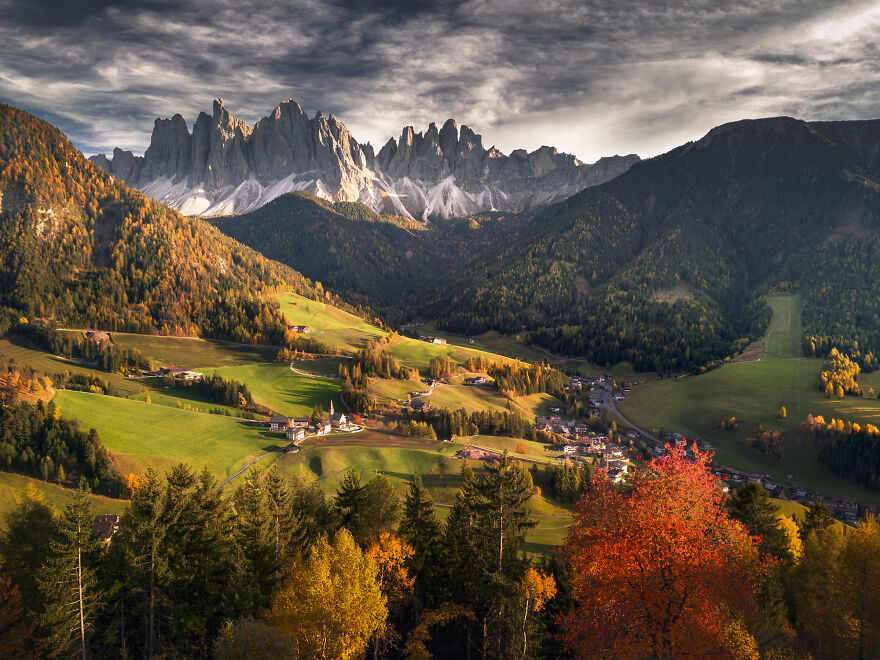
(225,166)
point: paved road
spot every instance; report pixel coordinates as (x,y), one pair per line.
(608,404)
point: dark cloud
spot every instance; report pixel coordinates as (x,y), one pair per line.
(591,77)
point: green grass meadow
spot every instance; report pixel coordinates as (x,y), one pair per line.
(139,435)
(753,392)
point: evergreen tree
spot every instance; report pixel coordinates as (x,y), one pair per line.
(380,509)
(255,534)
(144,535)
(752,506)
(25,544)
(817,518)
(421,529)
(350,501)
(291,536)
(67,582)
(505,490)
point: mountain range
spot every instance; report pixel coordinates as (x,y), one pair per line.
(665,266)
(225,167)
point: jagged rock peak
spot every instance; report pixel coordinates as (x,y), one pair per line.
(226,166)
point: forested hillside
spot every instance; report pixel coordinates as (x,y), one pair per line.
(665,265)
(377,260)
(80,248)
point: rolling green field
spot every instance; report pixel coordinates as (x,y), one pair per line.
(140,435)
(284,391)
(13,485)
(50,365)
(753,392)
(490,342)
(398,457)
(188,353)
(783,336)
(328,323)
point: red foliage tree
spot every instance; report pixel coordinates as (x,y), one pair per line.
(659,568)
(15,632)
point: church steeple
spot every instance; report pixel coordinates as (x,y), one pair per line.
(331,406)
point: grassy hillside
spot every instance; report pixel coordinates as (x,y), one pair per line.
(753,392)
(289,393)
(139,434)
(13,485)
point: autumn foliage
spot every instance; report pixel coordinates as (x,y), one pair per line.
(658,571)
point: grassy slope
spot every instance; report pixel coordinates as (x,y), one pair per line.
(276,386)
(329,324)
(13,485)
(783,336)
(398,458)
(141,435)
(50,365)
(753,392)
(194,353)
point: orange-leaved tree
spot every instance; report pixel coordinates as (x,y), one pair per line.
(658,568)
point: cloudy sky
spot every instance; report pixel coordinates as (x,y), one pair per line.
(592,77)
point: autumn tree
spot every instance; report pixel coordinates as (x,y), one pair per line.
(331,604)
(16,632)
(858,578)
(535,590)
(657,571)
(391,554)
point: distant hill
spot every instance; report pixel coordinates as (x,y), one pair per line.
(80,247)
(665,265)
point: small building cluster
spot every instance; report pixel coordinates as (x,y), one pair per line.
(300,329)
(433,340)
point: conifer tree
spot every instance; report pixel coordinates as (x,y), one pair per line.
(817,518)
(67,581)
(25,543)
(421,529)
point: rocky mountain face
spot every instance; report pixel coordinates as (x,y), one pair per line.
(227,167)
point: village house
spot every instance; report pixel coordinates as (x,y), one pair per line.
(323,428)
(296,433)
(300,329)
(104,527)
(98,337)
(277,423)
(570,449)
(301,422)
(476,380)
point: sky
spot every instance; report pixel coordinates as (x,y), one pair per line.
(590,77)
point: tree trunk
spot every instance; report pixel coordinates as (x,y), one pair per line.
(525,634)
(82,622)
(152,606)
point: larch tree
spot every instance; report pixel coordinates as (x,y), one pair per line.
(332,604)
(657,571)
(858,578)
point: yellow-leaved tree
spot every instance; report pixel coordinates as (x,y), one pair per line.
(331,604)
(391,553)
